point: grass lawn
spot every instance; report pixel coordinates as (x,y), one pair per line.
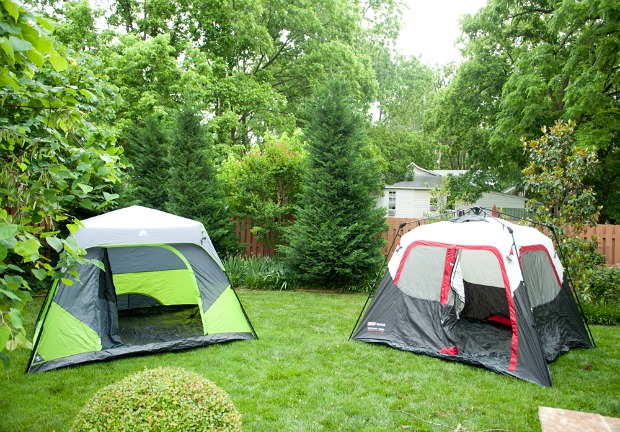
(303,374)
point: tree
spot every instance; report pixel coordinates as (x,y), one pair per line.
(265,56)
(335,240)
(193,188)
(147,76)
(540,61)
(57,154)
(264,185)
(147,151)
(554,179)
(405,89)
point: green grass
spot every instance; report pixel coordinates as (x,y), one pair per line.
(303,374)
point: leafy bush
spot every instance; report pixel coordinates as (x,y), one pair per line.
(602,314)
(270,273)
(258,273)
(163,399)
(603,285)
(602,305)
(581,257)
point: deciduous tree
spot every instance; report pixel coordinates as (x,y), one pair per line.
(57,154)
(265,184)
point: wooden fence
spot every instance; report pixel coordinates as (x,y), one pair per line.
(608,246)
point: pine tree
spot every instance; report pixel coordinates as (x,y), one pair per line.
(147,152)
(194,190)
(336,237)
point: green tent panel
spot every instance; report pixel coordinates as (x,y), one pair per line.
(157,286)
(162,288)
(65,336)
(226,315)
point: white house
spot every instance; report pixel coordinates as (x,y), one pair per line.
(412,199)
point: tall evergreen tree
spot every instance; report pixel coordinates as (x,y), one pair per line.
(194,190)
(147,152)
(336,237)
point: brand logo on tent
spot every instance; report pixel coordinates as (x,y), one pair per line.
(143,233)
(376,327)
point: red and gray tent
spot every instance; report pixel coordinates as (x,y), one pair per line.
(479,290)
(161,287)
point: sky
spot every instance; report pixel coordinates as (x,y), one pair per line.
(431,27)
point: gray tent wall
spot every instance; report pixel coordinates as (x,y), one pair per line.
(512,327)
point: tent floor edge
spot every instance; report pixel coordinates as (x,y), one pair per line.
(136,350)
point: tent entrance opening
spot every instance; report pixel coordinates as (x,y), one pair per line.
(482,327)
(154,324)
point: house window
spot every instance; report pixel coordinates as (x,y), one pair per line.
(391,203)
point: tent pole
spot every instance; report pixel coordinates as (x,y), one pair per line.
(571,285)
(48,297)
(562,260)
(380,273)
(244,313)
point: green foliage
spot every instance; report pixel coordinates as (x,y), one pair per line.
(267,273)
(602,314)
(193,189)
(555,181)
(602,295)
(57,155)
(555,177)
(256,60)
(162,399)
(580,258)
(264,185)
(531,63)
(147,152)
(405,88)
(146,74)
(604,285)
(77,25)
(336,236)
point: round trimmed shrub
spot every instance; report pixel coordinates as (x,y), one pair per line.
(163,399)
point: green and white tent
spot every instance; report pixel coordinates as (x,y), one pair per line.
(163,288)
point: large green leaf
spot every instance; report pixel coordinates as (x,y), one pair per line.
(12,8)
(7,47)
(20,44)
(58,62)
(7,230)
(27,249)
(16,318)
(55,243)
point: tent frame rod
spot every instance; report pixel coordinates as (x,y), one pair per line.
(562,260)
(380,273)
(243,310)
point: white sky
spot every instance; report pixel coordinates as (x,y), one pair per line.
(431,27)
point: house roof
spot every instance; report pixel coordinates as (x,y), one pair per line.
(444,173)
(422,179)
(419,182)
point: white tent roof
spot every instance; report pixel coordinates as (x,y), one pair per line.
(479,234)
(137,225)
